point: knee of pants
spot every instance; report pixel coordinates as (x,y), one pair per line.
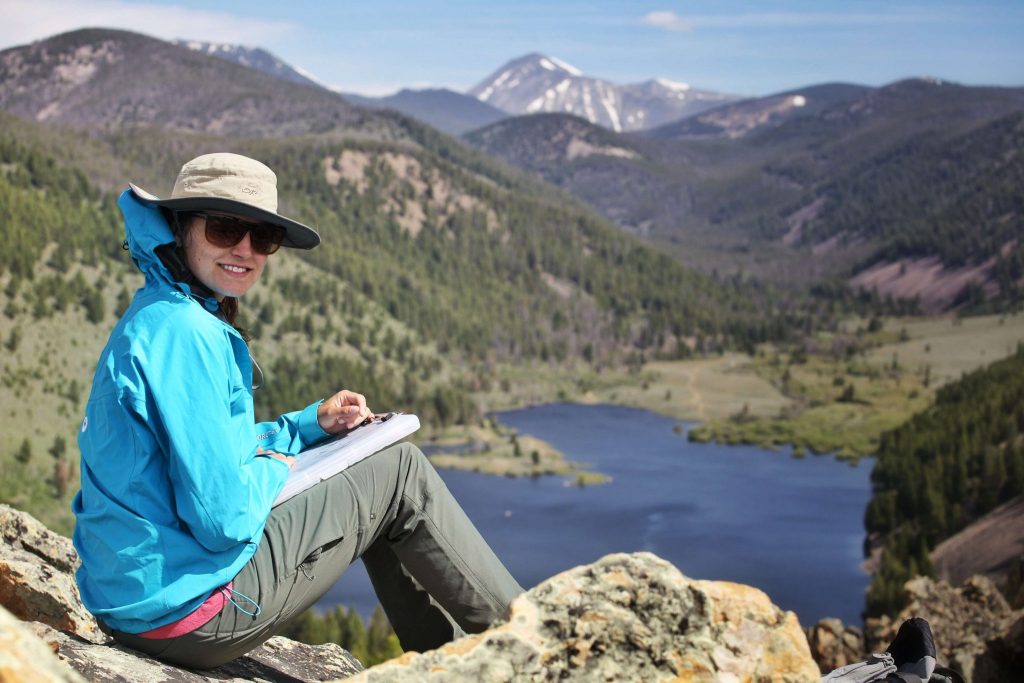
(419,466)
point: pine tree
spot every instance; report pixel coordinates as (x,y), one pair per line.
(24,453)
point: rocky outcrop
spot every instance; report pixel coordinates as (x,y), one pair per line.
(57,639)
(37,580)
(834,645)
(625,617)
(976,632)
(279,659)
(25,658)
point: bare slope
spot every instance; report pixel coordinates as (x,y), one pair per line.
(988,546)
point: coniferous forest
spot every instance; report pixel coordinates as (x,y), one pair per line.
(944,468)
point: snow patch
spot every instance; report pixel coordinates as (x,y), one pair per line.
(566,67)
(486,93)
(672,85)
(610,105)
(799,101)
(535,105)
(307,74)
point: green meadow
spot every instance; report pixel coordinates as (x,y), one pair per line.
(838,395)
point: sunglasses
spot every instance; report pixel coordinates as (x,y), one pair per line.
(227,231)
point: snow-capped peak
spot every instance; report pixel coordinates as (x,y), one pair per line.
(537,83)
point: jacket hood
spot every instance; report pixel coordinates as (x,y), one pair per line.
(145,229)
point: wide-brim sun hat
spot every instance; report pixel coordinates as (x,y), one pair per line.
(234,184)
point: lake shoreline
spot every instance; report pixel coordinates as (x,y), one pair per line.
(734,513)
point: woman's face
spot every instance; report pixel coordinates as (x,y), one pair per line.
(228,271)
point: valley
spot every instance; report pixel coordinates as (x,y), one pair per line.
(818,271)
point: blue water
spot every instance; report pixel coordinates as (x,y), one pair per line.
(791,527)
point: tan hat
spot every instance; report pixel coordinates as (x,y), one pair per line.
(233,184)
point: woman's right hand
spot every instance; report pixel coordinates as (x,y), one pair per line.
(344,411)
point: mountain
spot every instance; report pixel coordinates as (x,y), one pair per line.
(106,78)
(536,83)
(907,189)
(254,58)
(737,119)
(448,111)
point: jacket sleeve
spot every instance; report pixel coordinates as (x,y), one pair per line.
(292,433)
(204,422)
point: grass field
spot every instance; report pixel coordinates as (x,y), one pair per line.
(844,404)
(952,346)
(822,402)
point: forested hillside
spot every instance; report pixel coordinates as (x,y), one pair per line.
(946,467)
(915,169)
(958,199)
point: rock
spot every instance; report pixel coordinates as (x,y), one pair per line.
(37,585)
(37,581)
(976,631)
(834,645)
(626,617)
(278,659)
(1014,589)
(24,658)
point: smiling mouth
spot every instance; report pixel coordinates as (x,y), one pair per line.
(237,270)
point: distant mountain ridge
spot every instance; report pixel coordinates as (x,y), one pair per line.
(108,78)
(737,119)
(254,58)
(537,83)
(899,188)
(530,84)
(448,111)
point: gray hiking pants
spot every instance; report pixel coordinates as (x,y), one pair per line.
(424,557)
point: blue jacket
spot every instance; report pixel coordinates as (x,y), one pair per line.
(174,497)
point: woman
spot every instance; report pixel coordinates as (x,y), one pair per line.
(182,556)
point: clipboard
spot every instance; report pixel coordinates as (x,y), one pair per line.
(314,465)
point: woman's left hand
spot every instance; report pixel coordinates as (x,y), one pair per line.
(344,411)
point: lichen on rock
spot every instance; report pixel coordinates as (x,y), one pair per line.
(625,617)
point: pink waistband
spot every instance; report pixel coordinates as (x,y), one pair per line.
(190,622)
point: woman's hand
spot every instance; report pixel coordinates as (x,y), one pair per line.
(344,411)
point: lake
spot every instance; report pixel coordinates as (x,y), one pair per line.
(792,527)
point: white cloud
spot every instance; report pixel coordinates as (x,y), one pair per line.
(668,20)
(25,21)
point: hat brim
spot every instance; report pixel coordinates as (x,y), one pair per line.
(296,235)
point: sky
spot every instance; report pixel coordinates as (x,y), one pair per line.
(745,48)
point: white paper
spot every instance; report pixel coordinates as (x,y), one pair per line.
(316,464)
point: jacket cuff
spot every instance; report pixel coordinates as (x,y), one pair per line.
(310,430)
